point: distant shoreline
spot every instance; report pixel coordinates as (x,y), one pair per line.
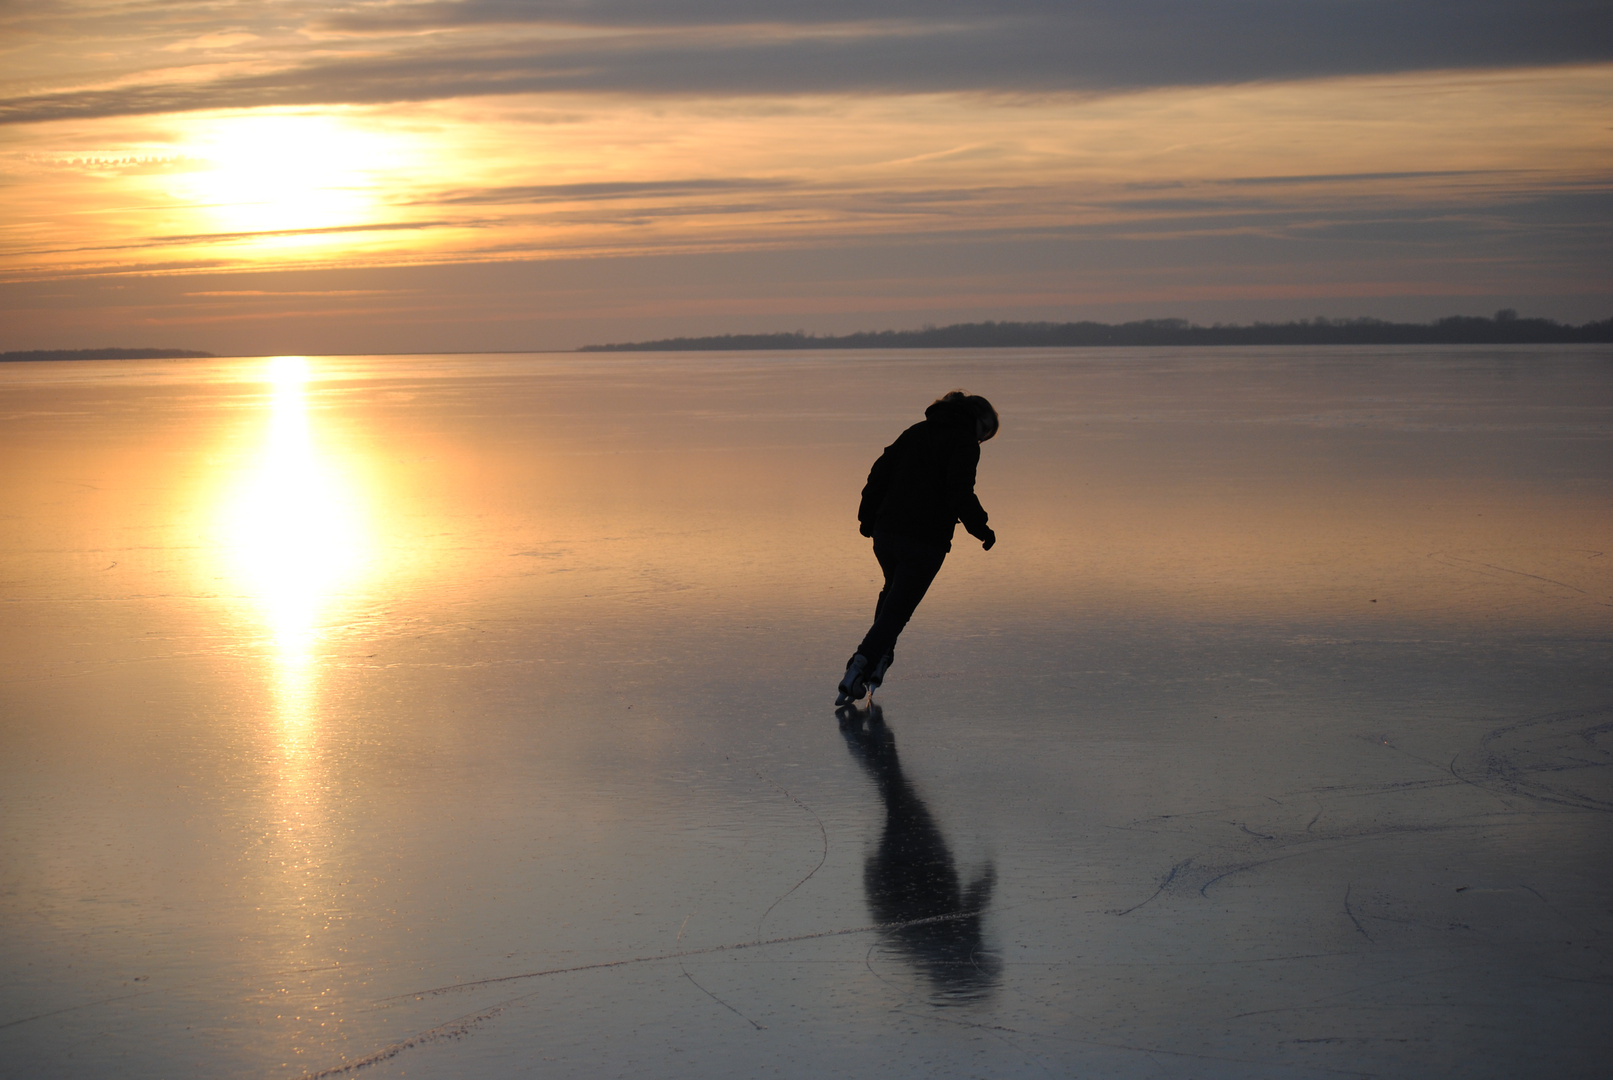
(25,355)
(1506,328)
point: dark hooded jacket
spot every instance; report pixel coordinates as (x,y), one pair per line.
(924,482)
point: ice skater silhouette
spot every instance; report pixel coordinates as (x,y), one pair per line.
(918,490)
(911,880)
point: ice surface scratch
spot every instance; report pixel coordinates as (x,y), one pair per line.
(1508,570)
(875,928)
(703,990)
(1170,877)
(1187,1055)
(823,833)
(1517,758)
(1328,1001)
(148,993)
(1351,914)
(1000,1032)
(822,858)
(720,1001)
(453,1029)
(76,1008)
(461,1026)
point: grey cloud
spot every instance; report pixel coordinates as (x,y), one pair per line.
(390,226)
(770,49)
(1328,178)
(442,14)
(1143,14)
(199,238)
(1354,34)
(536,193)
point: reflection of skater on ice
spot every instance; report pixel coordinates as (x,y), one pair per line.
(918,490)
(911,878)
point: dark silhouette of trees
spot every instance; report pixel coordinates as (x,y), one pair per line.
(104,354)
(1505,328)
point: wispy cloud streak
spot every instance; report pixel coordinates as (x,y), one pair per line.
(544,193)
(432,51)
(900,155)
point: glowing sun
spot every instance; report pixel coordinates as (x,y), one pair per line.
(277,172)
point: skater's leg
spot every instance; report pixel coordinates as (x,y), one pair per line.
(909,570)
(855,683)
(879,602)
(876,676)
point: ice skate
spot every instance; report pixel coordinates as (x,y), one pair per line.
(855,682)
(876,678)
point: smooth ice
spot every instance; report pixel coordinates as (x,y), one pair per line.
(471,716)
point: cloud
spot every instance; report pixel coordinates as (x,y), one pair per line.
(435,50)
(277,293)
(193,239)
(1331,178)
(540,193)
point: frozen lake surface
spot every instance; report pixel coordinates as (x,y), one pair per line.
(472,716)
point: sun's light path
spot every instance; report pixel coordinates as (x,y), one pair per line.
(298,542)
(296,536)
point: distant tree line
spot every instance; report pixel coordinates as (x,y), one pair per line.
(104,354)
(1505,328)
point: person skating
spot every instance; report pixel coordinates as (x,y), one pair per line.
(917,492)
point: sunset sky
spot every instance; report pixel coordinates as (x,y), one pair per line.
(258,177)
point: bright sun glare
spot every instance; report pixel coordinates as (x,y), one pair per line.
(282,172)
(296,529)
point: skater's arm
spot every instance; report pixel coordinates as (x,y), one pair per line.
(961,493)
(879,481)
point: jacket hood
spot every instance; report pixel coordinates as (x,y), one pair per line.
(950,414)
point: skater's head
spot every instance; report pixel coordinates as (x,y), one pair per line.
(985,417)
(977,409)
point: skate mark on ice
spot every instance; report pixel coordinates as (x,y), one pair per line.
(1447,558)
(1351,914)
(457,1028)
(823,833)
(1330,844)
(76,1008)
(822,858)
(1556,758)
(720,1001)
(1000,1030)
(147,993)
(1170,877)
(704,950)
(1326,1001)
(696,984)
(997,1031)
(462,1026)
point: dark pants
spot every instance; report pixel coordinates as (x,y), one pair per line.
(909,568)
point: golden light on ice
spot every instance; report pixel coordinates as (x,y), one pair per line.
(295,531)
(295,528)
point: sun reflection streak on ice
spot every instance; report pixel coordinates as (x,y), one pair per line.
(297,534)
(297,540)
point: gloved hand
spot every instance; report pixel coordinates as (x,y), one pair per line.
(989,539)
